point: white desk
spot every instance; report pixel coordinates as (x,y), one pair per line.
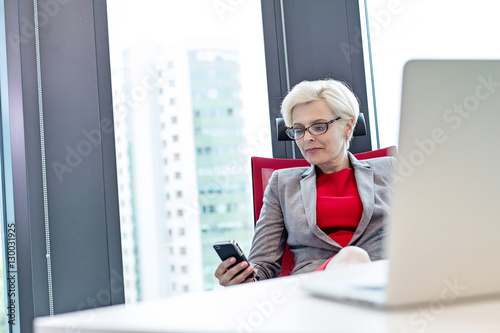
(277,305)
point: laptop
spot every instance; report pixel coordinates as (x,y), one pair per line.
(443,241)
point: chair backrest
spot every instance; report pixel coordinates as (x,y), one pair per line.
(262,169)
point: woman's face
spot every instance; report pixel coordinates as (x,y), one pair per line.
(326,150)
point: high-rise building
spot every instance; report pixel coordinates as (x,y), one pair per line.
(156,168)
(221,165)
(182,172)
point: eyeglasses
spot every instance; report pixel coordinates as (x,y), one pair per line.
(314,129)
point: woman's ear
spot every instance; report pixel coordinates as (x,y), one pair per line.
(349,127)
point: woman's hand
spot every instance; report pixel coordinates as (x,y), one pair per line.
(227,276)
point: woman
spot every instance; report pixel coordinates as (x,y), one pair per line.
(333,209)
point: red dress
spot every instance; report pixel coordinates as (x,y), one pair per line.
(338,207)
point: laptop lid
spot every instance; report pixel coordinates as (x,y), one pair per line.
(444,239)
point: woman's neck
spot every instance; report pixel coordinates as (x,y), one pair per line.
(345,163)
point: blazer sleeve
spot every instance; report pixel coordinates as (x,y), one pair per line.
(270,236)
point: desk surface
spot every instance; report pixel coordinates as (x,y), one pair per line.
(277,305)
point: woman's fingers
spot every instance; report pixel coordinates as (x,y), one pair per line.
(229,276)
(223,266)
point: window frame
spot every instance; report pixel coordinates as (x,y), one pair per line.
(89,240)
(341,56)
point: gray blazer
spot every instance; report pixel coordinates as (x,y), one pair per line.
(288,216)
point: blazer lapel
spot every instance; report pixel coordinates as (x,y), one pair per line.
(364,180)
(309,196)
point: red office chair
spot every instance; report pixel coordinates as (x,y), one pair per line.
(263,167)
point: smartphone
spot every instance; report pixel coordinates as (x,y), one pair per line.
(228,249)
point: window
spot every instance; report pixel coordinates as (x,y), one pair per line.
(404,30)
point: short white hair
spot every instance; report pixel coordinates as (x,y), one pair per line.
(338,97)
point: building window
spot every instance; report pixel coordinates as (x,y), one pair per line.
(179,194)
(174,120)
(183,250)
(177,175)
(175,138)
